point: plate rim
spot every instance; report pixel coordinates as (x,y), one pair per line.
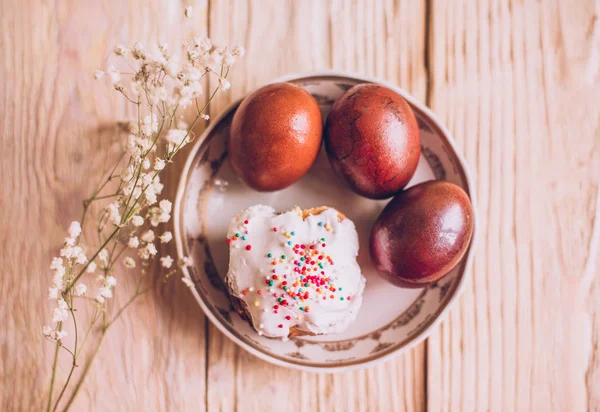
(468,258)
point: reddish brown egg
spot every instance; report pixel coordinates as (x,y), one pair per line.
(372,140)
(422,234)
(275,136)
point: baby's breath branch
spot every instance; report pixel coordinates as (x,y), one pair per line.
(161,87)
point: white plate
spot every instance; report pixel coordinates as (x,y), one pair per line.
(391,319)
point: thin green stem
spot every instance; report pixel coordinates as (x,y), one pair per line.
(53,377)
(84,372)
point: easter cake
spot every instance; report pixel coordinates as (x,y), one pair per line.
(294,273)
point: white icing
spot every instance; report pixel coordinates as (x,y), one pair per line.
(249,270)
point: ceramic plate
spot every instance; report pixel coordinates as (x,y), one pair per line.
(391,319)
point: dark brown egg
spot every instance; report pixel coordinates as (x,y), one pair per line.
(372,140)
(422,234)
(275,136)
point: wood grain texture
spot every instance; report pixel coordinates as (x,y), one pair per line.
(516,82)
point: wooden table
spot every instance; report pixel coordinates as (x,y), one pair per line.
(518,84)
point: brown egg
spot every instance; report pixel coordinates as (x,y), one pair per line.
(275,136)
(422,234)
(372,140)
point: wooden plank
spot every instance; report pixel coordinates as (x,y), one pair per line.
(275,36)
(56,133)
(366,37)
(517,84)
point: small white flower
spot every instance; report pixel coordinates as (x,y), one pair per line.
(150,195)
(137,220)
(105,292)
(177,137)
(120,50)
(100,279)
(228,59)
(166,237)
(99,298)
(238,51)
(225,85)
(188,282)
(57,280)
(146,163)
(205,116)
(53,293)
(148,236)
(133,242)
(129,262)
(98,74)
(59,315)
(188,12)
(146,179)
(114,74)
(59,334)
(165,205)
(103,256)
(57,263)
(74,230)
(91,267)
(62,304)
(139,51)
(144,254)
(47,330)
(203,44)
(80,258)
(113,213)
(151,249)
(159,164)
(80,289)
(111,281)
(157,186)
(166,261)
(149,124)
(187,261)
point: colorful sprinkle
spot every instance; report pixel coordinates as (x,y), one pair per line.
(248,247)
(320,223)
(274,229)
(256,303)
(243,237)
(270,255)
(237,235)
(342,298)
(293,233)
(283,256)
(280,326)
(288,317)
(259,292)
(245,222)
